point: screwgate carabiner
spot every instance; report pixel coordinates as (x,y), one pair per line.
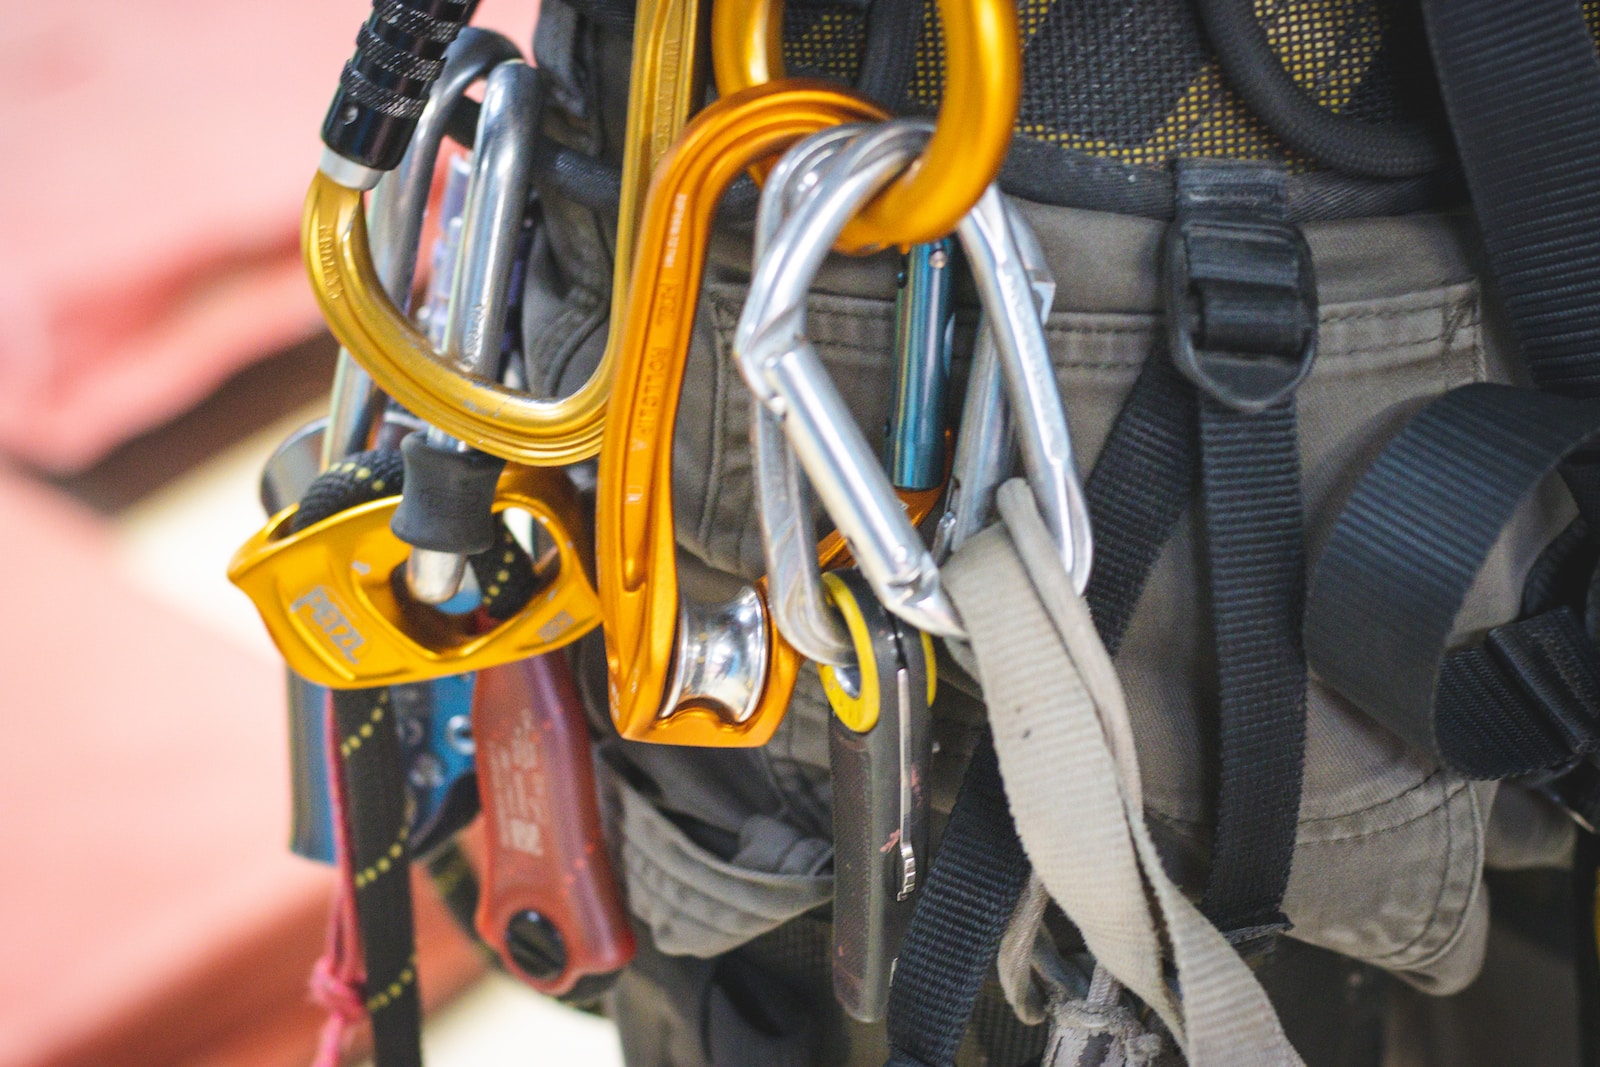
(483,413)
(983,85)
(329,600)
(651,632)
(399,202)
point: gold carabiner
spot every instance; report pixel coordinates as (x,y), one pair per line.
(667,82)
(983,85)
(637,562)
(328,597)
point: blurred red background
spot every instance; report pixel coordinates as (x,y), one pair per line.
(157,154)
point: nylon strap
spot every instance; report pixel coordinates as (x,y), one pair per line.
(1245,281)
(956,925)
(1063,740)
(1402,557)
(1521,83)
(1139,488)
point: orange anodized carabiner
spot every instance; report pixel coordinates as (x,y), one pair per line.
(983,86)
(647,621)
(328,597)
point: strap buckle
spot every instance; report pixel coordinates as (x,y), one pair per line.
(1242,308)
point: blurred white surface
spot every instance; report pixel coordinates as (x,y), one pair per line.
(500,1022)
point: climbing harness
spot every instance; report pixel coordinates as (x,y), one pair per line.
(1194,597)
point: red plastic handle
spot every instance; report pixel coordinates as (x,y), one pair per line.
(549,904)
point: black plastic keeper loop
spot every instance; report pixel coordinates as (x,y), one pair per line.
(448,501)
(1264,269)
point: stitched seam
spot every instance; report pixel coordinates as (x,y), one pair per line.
(390,860)
(1363,835)
(1419,785)
(353,742)
(385,997)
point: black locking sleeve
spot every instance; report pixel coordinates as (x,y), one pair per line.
(384,87)
(448,503)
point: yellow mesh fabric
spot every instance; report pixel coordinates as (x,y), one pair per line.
(1135,82)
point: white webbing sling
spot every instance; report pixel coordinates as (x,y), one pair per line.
(1065,748)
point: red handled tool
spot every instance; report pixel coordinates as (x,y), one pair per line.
(549,904)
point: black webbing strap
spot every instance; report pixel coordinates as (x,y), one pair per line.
(955,928)
(1521,83)
(1242,328)
(1140,487)
(1586,948)
(1402,557)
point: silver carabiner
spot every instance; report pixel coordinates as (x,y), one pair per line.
(794,589)
(1007,285)
(783,371)
(785,375)
(398,204)
(986,448)
(503,163)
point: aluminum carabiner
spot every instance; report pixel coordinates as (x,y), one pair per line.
(986,450)
(681,672)
(795,594)
(329,598)
(498,188)
(667,78)
(983,86)
(783,371)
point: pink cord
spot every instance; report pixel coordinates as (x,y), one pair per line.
(337,977)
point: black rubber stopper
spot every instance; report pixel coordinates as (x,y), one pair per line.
(448,501)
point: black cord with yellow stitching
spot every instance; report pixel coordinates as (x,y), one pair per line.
(376,827)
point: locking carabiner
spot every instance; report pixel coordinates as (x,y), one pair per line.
(399,202)
(503,422)
(983,86)
(665,685)
(329,598)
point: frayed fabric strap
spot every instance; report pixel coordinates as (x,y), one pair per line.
(1060,724)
